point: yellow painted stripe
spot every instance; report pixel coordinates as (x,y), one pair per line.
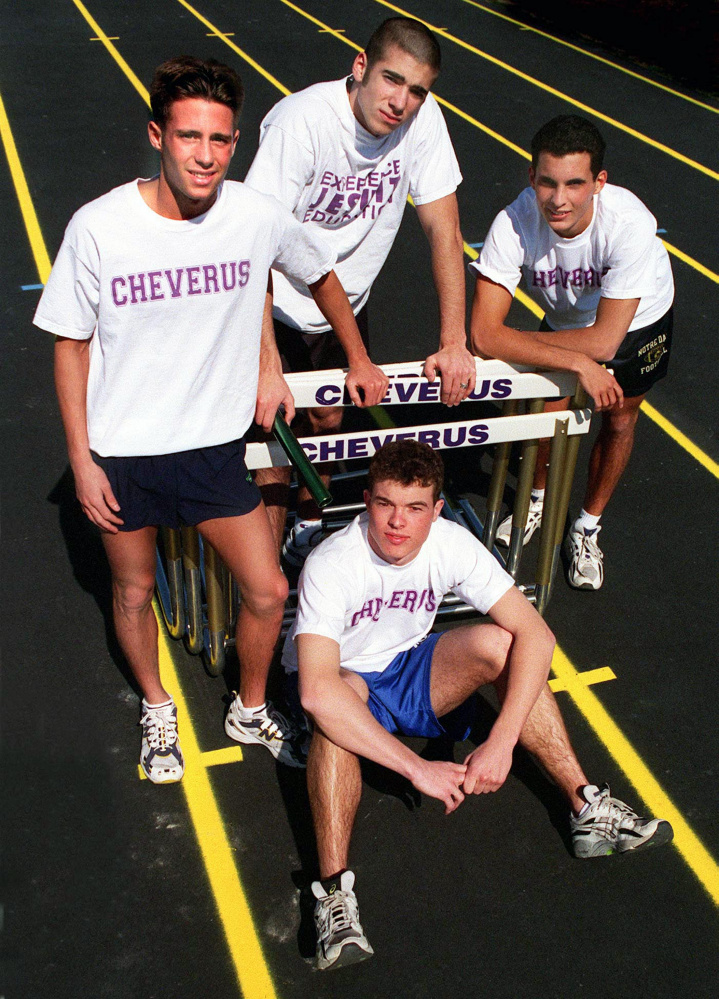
(685,258)
(558,93)
(687,842)
(681,439)
(593,55)
(32,226)
(252,972)
(142,90)
(211,758)
(587,678)
(235,48)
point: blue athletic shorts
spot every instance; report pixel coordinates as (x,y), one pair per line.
(399,697)
(182,489)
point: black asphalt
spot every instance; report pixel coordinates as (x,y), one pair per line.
(105,892)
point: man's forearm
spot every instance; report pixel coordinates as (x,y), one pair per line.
(528,668)
(440,221)
(72,364)
(334,305)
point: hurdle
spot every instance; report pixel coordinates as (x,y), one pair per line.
(198,597)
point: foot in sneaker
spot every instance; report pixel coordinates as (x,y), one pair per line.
(586,560)
(302,539)
(608,826)
(340,937)
(267,727)
(160,756)
(534,520)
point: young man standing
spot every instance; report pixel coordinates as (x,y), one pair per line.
(587,252)
(156,299)
(343,157)
(369,667)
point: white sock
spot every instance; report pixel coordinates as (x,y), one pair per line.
(586,521)
(538,495)
(163,704)
(306,527)
(247,713)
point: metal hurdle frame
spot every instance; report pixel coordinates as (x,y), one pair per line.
(198,597)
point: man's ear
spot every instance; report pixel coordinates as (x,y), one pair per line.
(359,66)
(437,509)
(154,133)
(531,175)
(366,496)
(235,140)
(599,181)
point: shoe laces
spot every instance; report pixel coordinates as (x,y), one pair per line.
(159,726)
(337,912)
(589,550)
(278,726)
(611,810)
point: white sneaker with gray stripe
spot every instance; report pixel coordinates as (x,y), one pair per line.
(268,727)
(608,826)
(340,937)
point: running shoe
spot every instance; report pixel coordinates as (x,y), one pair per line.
(300,542)
(534,520)
(269,728)
(160,755)
(586,560)
(340,937)
(609,826)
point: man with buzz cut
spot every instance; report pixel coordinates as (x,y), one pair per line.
(156,300)
(587,252)
(343,156)
(370,668)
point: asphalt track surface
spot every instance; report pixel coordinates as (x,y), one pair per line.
(116,888)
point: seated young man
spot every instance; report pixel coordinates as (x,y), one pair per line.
(587,252)
(156,299)
(369,668)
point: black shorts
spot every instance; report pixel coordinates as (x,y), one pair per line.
(301,351)
(181,489)
(643,355)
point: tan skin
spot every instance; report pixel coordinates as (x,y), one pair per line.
(514,653)
(196,144)
(565,188)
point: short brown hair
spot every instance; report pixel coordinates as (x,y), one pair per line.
(409,35)
(567,134)
(186,76)
(409,463)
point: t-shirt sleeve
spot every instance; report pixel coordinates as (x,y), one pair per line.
(502,255)
(632,258)
(479,578)
(303,254)
(434,171)
(282,167)
(321,601)
(69,303)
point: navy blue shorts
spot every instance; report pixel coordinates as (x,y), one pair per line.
(642,357)
(300,351)
(181,489)
(399,697)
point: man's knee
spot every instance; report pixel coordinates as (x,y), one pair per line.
(490,646)
(621,422)
(355,681)
(268,598)
(133,596)
(325,419)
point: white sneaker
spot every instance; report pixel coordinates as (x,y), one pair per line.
(609,826)
(340,937)
(269,728)
(160,756)
(300,542)
(534,520)
(586,561)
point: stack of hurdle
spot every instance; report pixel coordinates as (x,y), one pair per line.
(199,599)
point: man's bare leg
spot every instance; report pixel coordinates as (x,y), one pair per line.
(131,555)
(247,547)
(464,660)
(545,736)
(274,484)
(334,784)
(611,453)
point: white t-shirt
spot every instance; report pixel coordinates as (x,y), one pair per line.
(376,610)
(617,256)
(174,310)
(339,179)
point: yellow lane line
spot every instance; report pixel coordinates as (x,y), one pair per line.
(587,678)
(105,39)
(250,965)
(211,758)
(685,258)
(692,850)
(592,55)
(32,226)
(674,432)
(558,93)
